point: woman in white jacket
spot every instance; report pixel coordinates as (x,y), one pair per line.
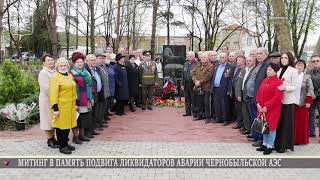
(44,104)
(289,76)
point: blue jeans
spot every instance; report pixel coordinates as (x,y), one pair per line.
(312,119)
(253,114)
(268,139)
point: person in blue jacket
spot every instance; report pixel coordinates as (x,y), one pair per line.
(121,82)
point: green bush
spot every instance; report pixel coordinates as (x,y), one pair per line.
(15,84)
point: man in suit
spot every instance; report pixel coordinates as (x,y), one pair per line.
(101,65)
(148,80)
(201,77)
(237,86)
(221,79)
(98,95)
(250,65)
(187,83)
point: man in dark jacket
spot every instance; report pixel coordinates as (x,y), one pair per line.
(188,83)
(221,79)
(315,77)
(97,93)
(133,81)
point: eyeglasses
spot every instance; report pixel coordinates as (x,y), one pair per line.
(315,61)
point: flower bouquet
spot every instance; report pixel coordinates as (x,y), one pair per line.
(17,113)
(158,101)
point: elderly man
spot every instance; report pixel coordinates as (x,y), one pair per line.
(213,57)
(98,93)
(275,58)
(250,65)
(221,80)
(232,59)
(105,85)
(148,80)
(258,74)
(187,83)
(201,77)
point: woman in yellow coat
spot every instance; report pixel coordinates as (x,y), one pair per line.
(62,92)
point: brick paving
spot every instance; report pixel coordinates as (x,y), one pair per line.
(159,133)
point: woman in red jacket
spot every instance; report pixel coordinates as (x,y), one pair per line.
(269,104)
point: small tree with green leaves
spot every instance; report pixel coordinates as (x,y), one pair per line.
(15,84)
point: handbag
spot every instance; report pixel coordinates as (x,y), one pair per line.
(260,124)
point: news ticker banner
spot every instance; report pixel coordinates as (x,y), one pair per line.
(150,162)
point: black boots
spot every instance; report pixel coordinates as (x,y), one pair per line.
(76,140)
(52,142)
(67,150)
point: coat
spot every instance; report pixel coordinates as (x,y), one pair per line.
(261,75)
(133,78)
(104,79)
(148,74)
(269,96)
(306,91)
(44,102)
(187,76)
(63,93)
(238,81)
(203,73)
(315,77)
(290,80)
(112,83)
(225,81)
(84,94)
(121,79)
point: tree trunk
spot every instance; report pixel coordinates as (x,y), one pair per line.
(1,27)
(87,32)
(134,38)
(117,41)
(92,27)
(128,24)
(77,24)
(282,26)
(168,22)
(155,4)
(51,17)
(67,19)
(317,48)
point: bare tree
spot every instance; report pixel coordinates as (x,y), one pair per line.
(301,18)
(3,9)
(50,13)
(155,4)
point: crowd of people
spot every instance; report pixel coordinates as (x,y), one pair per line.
(225,87)
(81,93)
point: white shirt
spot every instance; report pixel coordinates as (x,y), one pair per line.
(298,90)
(137,61)
(248,69)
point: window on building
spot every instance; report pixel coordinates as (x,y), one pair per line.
(249,41)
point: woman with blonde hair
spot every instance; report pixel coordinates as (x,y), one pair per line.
(63,95)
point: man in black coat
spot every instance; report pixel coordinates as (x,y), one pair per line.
(187,82)
(221,79)
(133,81)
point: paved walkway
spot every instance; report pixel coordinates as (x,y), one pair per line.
(159,133)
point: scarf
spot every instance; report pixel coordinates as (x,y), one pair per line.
(283,70)
(87,80)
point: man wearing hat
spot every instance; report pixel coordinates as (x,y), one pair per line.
(148,79)
(275,58)
(105,84)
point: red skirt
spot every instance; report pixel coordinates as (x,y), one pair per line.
(301,125)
